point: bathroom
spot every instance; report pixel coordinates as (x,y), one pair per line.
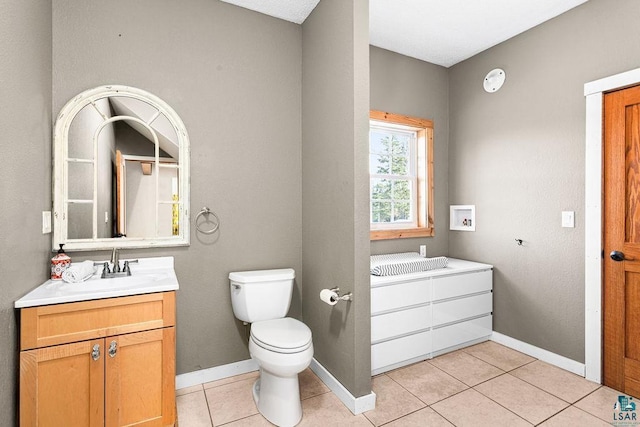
(247,88)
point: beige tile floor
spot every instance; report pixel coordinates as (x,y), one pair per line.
(483,385)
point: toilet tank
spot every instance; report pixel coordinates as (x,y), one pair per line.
(261,294)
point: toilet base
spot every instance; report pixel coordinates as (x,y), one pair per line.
(278,399)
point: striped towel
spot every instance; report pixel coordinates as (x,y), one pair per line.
(403,263)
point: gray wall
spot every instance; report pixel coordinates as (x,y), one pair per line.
(404,85)
(335,243)
(518,155)
(234,77)
(25,175)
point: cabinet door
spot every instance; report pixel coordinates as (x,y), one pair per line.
(140,372)
(63,385)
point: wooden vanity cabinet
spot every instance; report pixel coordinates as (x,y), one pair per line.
(108,362)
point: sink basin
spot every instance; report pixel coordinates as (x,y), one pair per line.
(136,280)
(147,276)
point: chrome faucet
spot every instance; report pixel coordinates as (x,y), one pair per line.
(115,261)
(116,271)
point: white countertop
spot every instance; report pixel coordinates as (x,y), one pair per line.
(149,275)
(454,266)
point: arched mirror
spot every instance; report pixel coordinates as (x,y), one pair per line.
(121,172)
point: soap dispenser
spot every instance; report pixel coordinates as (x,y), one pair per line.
(59,263)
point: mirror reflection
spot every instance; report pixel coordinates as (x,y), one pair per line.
(123,174)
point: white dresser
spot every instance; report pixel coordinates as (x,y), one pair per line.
(418,316)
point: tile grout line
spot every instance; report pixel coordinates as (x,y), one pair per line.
(589,394)
(464,349)
(401,386)
(597,416)
(554,414)
(206,399)
(502,406)
(588,413)
(554,395)
(443,416)
(444,372)
(548,418)
(544,391)
(399,418)
(502,372)
(191,392)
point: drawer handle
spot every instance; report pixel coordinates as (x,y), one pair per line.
(95,354)
(113,349)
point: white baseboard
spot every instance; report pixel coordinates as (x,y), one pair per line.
(540,353)
(216,373)
(357,405)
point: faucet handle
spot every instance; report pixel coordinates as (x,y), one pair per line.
(105,269)
(126,266)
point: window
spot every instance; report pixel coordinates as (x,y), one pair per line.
(401,176)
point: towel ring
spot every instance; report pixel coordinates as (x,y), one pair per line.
(207,211)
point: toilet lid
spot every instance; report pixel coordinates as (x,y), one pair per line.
(285,335)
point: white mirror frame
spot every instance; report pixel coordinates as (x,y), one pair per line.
(60,187)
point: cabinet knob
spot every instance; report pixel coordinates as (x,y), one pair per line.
(113,349)
(95,354)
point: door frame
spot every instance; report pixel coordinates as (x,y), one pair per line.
(594,94)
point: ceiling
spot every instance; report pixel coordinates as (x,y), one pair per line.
(442,32)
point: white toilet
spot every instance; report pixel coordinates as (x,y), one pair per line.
(280,345)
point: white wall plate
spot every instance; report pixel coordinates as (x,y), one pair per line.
(494,80)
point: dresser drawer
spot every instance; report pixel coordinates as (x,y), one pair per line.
(385,326)
(461,284)
(401,349)
(400,295)
(463,332)
(462,308)
(49,325)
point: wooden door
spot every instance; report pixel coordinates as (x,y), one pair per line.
(621,292)
(63,385)
(140,371)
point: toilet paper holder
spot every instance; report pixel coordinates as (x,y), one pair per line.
(346,297)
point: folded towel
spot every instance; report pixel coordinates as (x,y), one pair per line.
(403,263)
(78,272)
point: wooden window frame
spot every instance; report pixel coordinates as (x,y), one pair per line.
(425,202)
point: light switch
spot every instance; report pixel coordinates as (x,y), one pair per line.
(46,222)
(568,219)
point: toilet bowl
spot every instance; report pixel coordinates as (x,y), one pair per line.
(282,348)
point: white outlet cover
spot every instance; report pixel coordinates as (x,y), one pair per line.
(423,250)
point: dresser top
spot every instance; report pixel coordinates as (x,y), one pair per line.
(454,266)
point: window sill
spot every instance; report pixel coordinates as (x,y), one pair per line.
(404,233)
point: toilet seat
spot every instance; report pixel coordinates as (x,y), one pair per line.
(284,335)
